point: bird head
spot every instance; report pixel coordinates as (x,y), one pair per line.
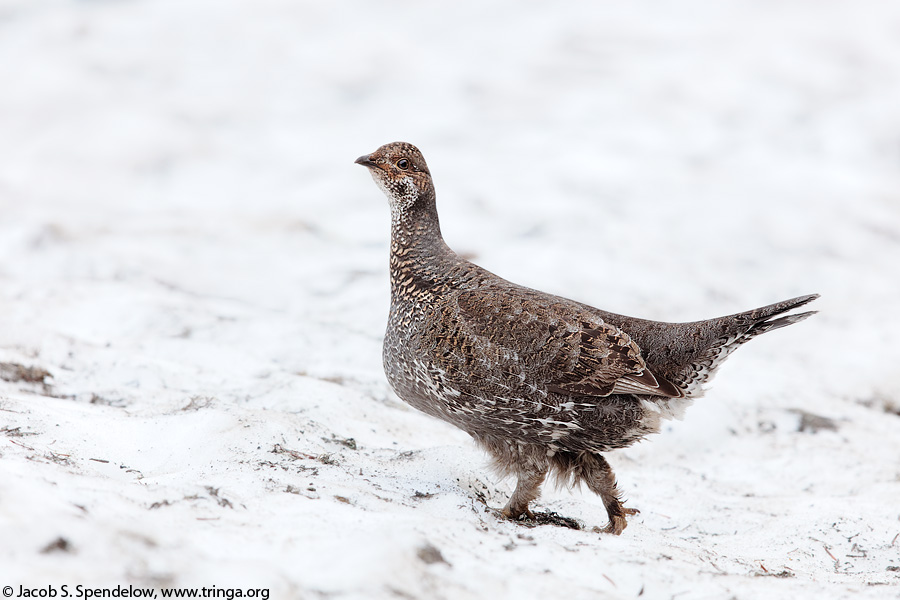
(400,171)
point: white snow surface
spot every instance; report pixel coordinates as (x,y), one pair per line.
(187,248)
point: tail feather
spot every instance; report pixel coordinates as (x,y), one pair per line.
(766,325)
(740,328)
(761,321)
(772,310)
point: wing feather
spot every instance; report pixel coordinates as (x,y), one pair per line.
(564,353)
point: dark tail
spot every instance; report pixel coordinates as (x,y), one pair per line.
(714,340)
(761,320)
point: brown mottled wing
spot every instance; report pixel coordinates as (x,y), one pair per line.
(556,349)
(609,362)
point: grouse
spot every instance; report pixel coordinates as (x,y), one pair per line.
(544,384)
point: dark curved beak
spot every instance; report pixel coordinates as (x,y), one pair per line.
(365,160)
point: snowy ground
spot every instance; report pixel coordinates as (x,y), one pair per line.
(189,252)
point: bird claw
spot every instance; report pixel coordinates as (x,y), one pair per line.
(618,523)
(525,515)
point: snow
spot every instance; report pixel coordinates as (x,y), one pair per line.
(187,248)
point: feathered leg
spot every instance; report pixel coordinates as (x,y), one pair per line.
(527,489)
(601,480)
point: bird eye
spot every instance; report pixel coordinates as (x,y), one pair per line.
(403,164)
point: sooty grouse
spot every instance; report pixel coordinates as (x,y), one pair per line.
(544,384)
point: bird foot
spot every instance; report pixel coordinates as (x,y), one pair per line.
(618,523)
(517,515)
